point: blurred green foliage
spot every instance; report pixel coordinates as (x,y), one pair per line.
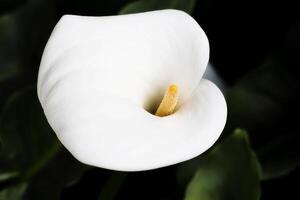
(34,165)
(230,171)
(148,5)
(34,155)
(265,102)
(25,153)
(13,192)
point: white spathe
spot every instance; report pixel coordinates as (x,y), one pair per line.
(99,76)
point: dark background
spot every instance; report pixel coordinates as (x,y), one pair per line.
(254,47)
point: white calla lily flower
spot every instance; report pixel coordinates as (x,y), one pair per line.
(101,80)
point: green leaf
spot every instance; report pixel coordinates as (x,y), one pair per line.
(280,156)
(18,46)
(6,175)
(269,115)
(230,171)
(14,192)
(27,141)
(112,186)
(274,80)
(31,151)
(253,111)
(62,171)
(265,102)
(10,56)
(149,5)
(22,39)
